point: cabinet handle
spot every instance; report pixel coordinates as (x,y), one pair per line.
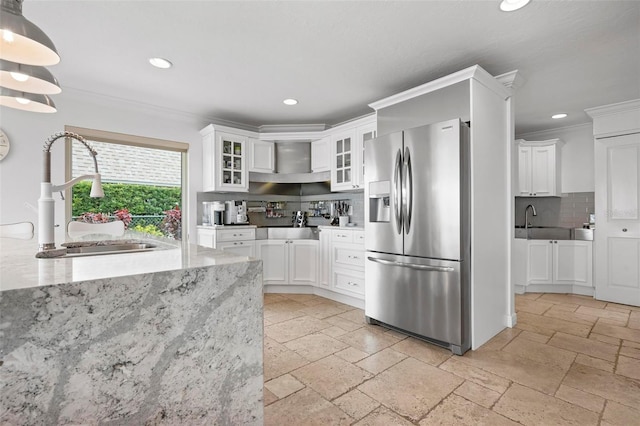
(352,284)
(555,242)
(624,229)
(550,242)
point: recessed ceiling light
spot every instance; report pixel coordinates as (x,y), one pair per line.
(557,116)
(160,63)
(511,5)
(290,101)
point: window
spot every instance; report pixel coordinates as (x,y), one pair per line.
(143,181)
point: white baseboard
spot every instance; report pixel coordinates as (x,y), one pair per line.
(511,320)
(318,291)
(560,288)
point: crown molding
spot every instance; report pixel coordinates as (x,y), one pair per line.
(550,133)
(616,108)
(279,128)
(512,79)
(473,72)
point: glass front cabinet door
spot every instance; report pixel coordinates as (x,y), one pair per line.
(343,154)
(225,162)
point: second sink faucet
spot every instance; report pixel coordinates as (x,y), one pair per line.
(526,215)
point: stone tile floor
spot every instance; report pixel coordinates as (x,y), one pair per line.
(571,360)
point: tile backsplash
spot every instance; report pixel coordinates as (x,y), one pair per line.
(571,210)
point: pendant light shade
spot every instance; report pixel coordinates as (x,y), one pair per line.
(28,78)
(26,101)
(21,40)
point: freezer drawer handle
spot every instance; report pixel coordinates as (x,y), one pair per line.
(412,265)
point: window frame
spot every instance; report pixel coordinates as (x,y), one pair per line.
(130,140)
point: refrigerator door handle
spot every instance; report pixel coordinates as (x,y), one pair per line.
(412,265)
(397,183)
(407,182)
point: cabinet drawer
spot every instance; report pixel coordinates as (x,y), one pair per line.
(236,234)
(347,282)
(243,248)
(348,255)
(342,236)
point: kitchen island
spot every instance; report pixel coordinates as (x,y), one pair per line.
(169,336)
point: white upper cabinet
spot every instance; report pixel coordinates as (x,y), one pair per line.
(224,157)
(262,158)
(344,167)
(347,155)
(321,155)
(538,168)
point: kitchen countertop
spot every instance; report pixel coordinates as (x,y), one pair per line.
(225,226)
(352,228)
(19,267)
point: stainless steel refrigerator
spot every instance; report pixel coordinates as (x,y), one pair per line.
(417,222)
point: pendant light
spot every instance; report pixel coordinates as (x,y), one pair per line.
(21,40)
(25,101)
(24,51)
(28,78)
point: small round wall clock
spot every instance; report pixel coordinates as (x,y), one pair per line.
(5,145)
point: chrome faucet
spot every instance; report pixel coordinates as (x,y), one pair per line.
(526,215)
(46,211)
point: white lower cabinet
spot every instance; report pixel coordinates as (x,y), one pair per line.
(237,240)
(288,261)
(559,262)
(347,262)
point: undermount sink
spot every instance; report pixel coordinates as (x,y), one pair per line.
(553,233)
(97,248)
(109,249)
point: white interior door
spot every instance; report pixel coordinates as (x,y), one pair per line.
(617,235)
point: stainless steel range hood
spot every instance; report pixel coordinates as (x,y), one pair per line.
(293,165)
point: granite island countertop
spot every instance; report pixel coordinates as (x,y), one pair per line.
(170,336)
(19,267)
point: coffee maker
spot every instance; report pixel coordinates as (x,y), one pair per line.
(218,213)
(213,213)
(235,212)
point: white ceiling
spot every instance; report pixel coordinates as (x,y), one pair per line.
(238,60)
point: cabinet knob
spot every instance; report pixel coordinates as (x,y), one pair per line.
(555,242)
(550,242)
(624,229)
